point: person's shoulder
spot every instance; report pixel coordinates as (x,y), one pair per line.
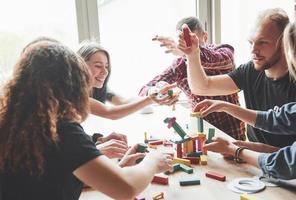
(66,126)
(217,47)
(247,66)
(178,62)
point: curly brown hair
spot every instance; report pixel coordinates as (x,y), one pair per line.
(50,82)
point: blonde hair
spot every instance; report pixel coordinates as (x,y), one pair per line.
(276,15)
(289,41)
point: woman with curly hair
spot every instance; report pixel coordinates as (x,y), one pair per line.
(44,152)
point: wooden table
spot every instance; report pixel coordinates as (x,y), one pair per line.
(134,127)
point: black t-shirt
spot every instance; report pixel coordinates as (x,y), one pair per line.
(263,93)
(74,149)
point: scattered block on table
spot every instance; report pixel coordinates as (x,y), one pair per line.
(160,179)
(186,169)
(203,160)
(215,175)
(159,196)
(247,197)
(182,161)
(189,181)
(193,160)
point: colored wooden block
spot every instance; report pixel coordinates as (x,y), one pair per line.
(186,169)
(142,148)
(247,197)
(195,114)
(182,161)
(189,181)
(204,151)
(200,126)
(203,160)
(167,144)
(189,146)
(187,38)
(194,154)
(193,160)
(170,93)
(152,146)
(211,134)
(179,150)
(160,179)
(157,142)
(176,167)
(215,175)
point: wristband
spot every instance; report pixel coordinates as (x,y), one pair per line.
(238,151)
(95,138)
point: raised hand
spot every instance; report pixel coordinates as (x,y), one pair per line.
(188,50)
(169,44)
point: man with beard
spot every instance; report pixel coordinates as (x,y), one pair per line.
(265,80)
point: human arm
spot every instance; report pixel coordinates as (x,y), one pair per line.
(101,174)
(199,82)
(225,147)
(280,164)
(117,112)
(169,44)
(282,120)
(207,106)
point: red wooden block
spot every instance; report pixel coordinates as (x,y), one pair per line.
(216,176)
(157,142)
(187,37)
(163,180)
(179,150)
(193,160)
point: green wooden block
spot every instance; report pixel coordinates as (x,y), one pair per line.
(142,148)
(186,169)
(200,126)
(170,93)
(211,134)
(189,181)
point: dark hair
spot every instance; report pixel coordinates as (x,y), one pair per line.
(40,39)
(192,22)
(49,83)
(86,50)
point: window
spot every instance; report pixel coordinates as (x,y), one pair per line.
(126,30)
(23,21)
(237,19)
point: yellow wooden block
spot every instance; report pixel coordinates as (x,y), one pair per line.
(195,114)
(203,160)
(247,197)
(152,146)
(189,146)
(182,161)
